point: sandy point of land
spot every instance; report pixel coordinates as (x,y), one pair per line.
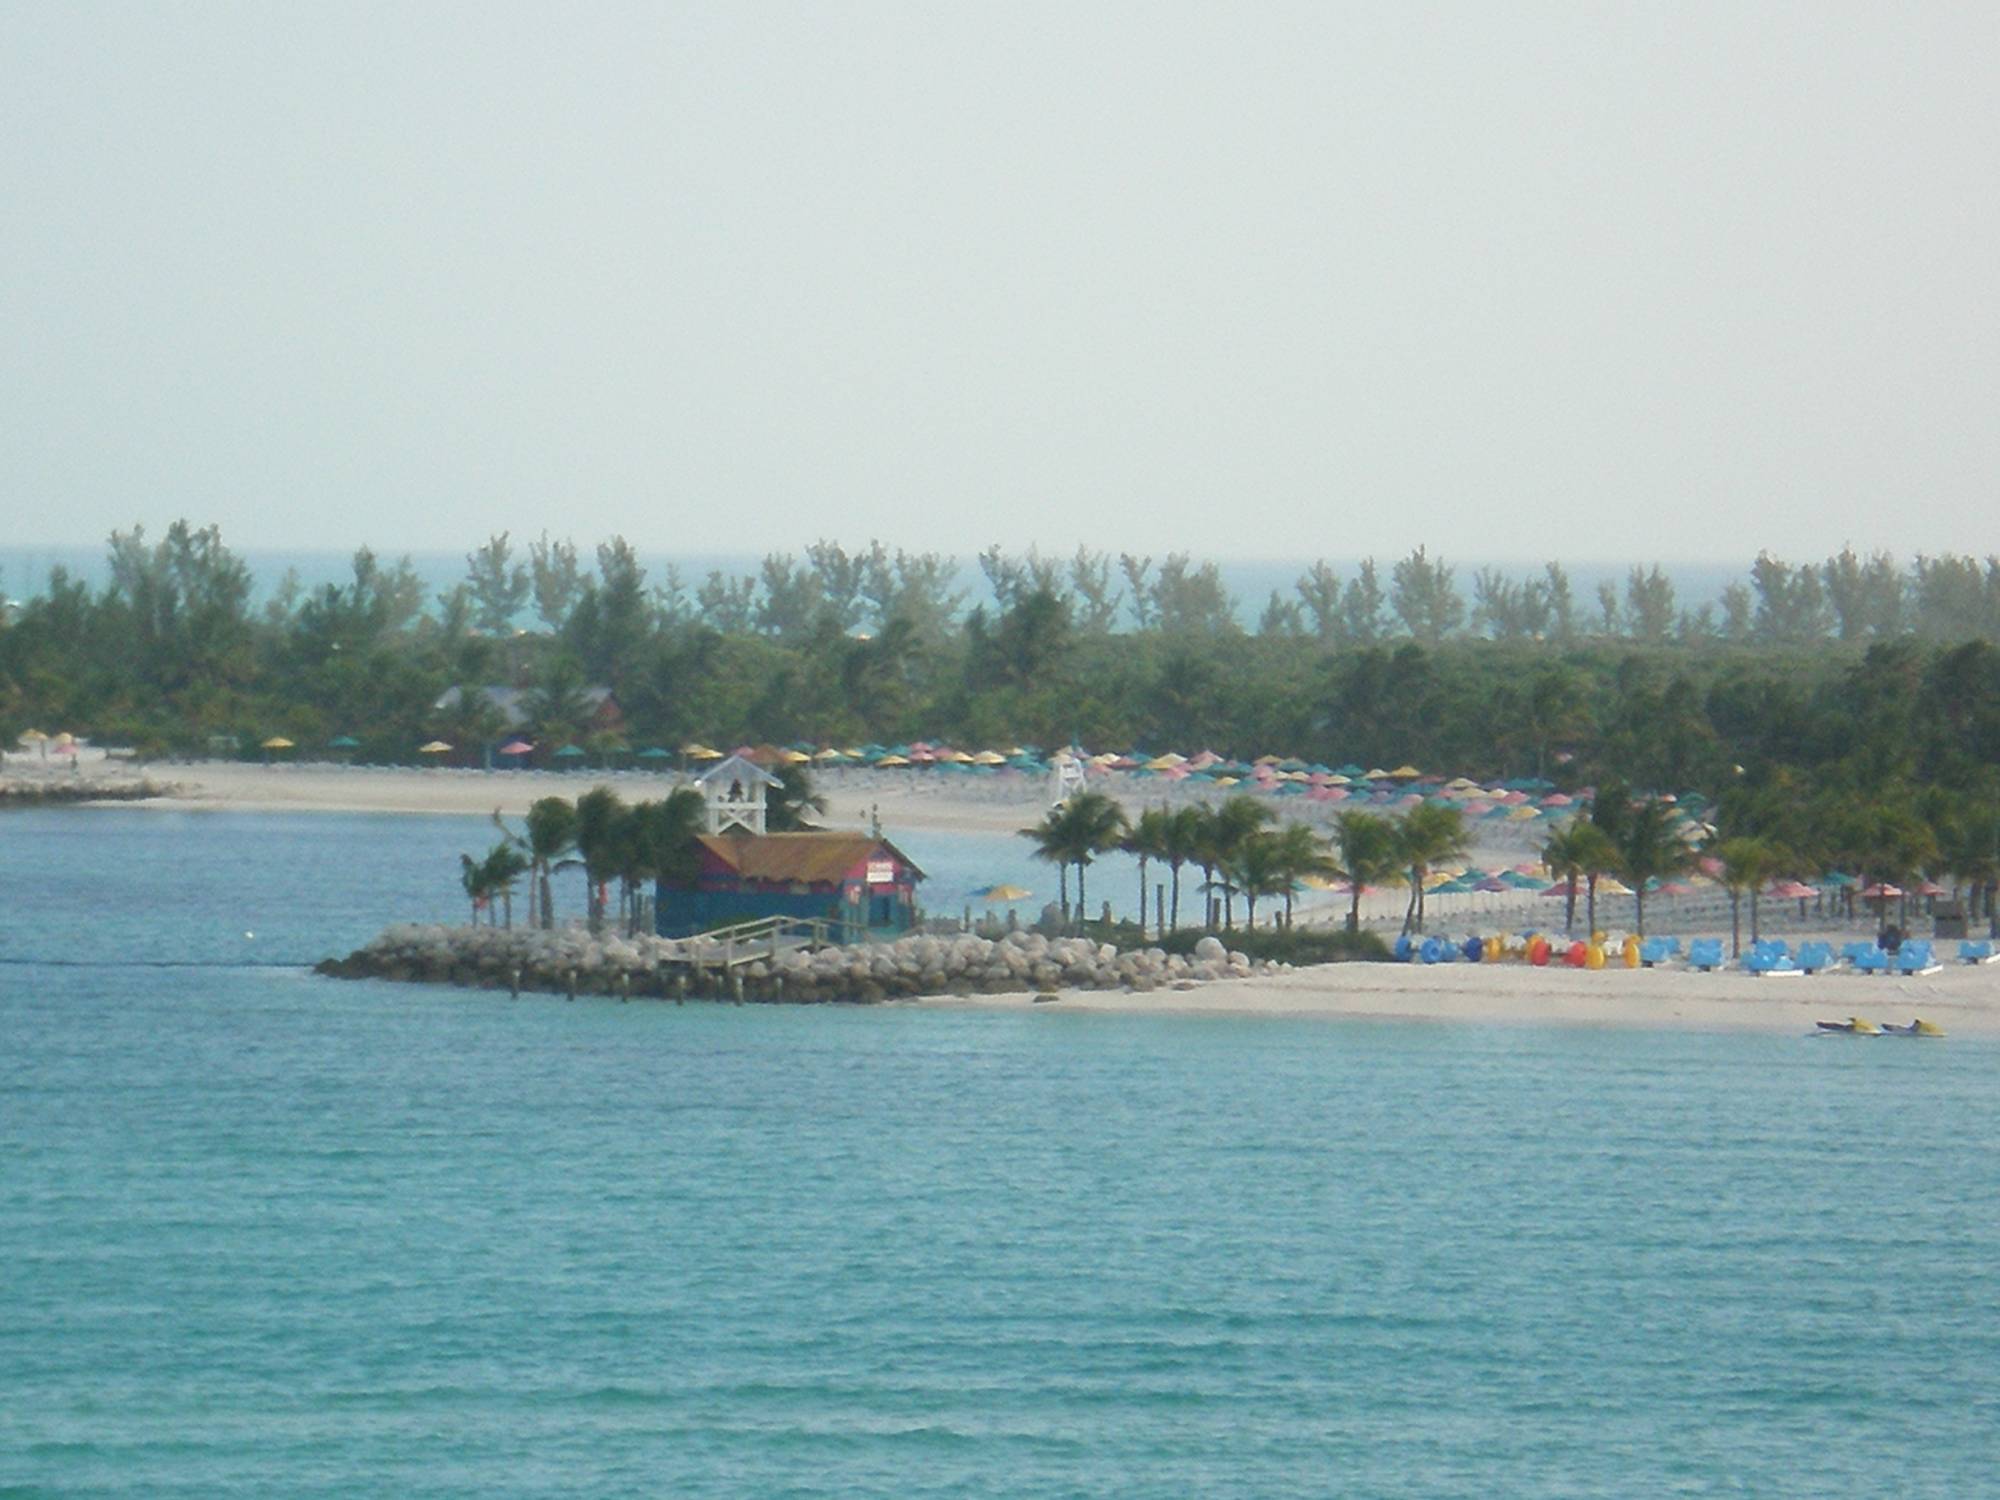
(1962,998)
(853,798)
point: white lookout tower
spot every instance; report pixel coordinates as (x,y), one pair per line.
(733,791)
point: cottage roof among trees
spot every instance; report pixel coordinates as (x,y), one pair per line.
(813,857)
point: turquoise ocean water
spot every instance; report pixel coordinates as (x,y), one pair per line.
(262,1234)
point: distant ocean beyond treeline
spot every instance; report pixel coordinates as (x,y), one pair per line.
(24,571)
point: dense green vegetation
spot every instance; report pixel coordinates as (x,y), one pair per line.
(1809,686)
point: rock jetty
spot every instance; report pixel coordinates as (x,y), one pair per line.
(572,961)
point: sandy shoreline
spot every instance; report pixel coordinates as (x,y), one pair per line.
(852,797)
(1961,998)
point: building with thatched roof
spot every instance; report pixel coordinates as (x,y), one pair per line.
(859,881)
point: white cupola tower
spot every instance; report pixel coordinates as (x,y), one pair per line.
(733,791)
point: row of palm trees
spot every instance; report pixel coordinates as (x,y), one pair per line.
(610,840)
(1240,855)
(1636,840)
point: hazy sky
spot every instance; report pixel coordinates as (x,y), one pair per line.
(1604,281)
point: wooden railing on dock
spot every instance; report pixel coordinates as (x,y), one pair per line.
(763,938)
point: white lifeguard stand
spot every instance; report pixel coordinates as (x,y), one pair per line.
(1065,777)
(733,791)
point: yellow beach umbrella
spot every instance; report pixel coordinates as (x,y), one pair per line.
(1611,885)
(694,750)
(435,747)
(276,742)
(829,753)
(33,737)
(989,758)
(892,760)
(1405,772)
(794,757)
(998,893)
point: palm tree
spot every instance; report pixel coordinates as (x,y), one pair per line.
(1222,833)
(664,842)
(1649,847)
(1147,840)
(1301,854)
(504,864)
(1258,868)
(787,805)
(1367,852)
(1052,848)
(1093,823)
(597,819)
(1600,857)
(1579,850)
(1968,839)
(1561,858)
(1746,864)
(631,861)
(472,875)
(1432,835)
(551,834)
(1182,843)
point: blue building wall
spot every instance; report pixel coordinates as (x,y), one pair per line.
(677,913)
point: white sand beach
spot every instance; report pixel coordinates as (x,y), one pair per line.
(1961,998)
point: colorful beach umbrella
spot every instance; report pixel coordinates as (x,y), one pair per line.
(435,747)
(993,894)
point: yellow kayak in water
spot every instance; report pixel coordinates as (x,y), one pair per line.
(1858,1026)
(1852,1026)
(1918,1027)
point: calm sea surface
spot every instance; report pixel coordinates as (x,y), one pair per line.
(263,1235)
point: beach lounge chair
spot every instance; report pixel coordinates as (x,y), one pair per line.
(1769,960)
(1705,954)
(1915,958)
(1870,960)
(1853,952)
(1657,951)
(1979,952)
(1813,957)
